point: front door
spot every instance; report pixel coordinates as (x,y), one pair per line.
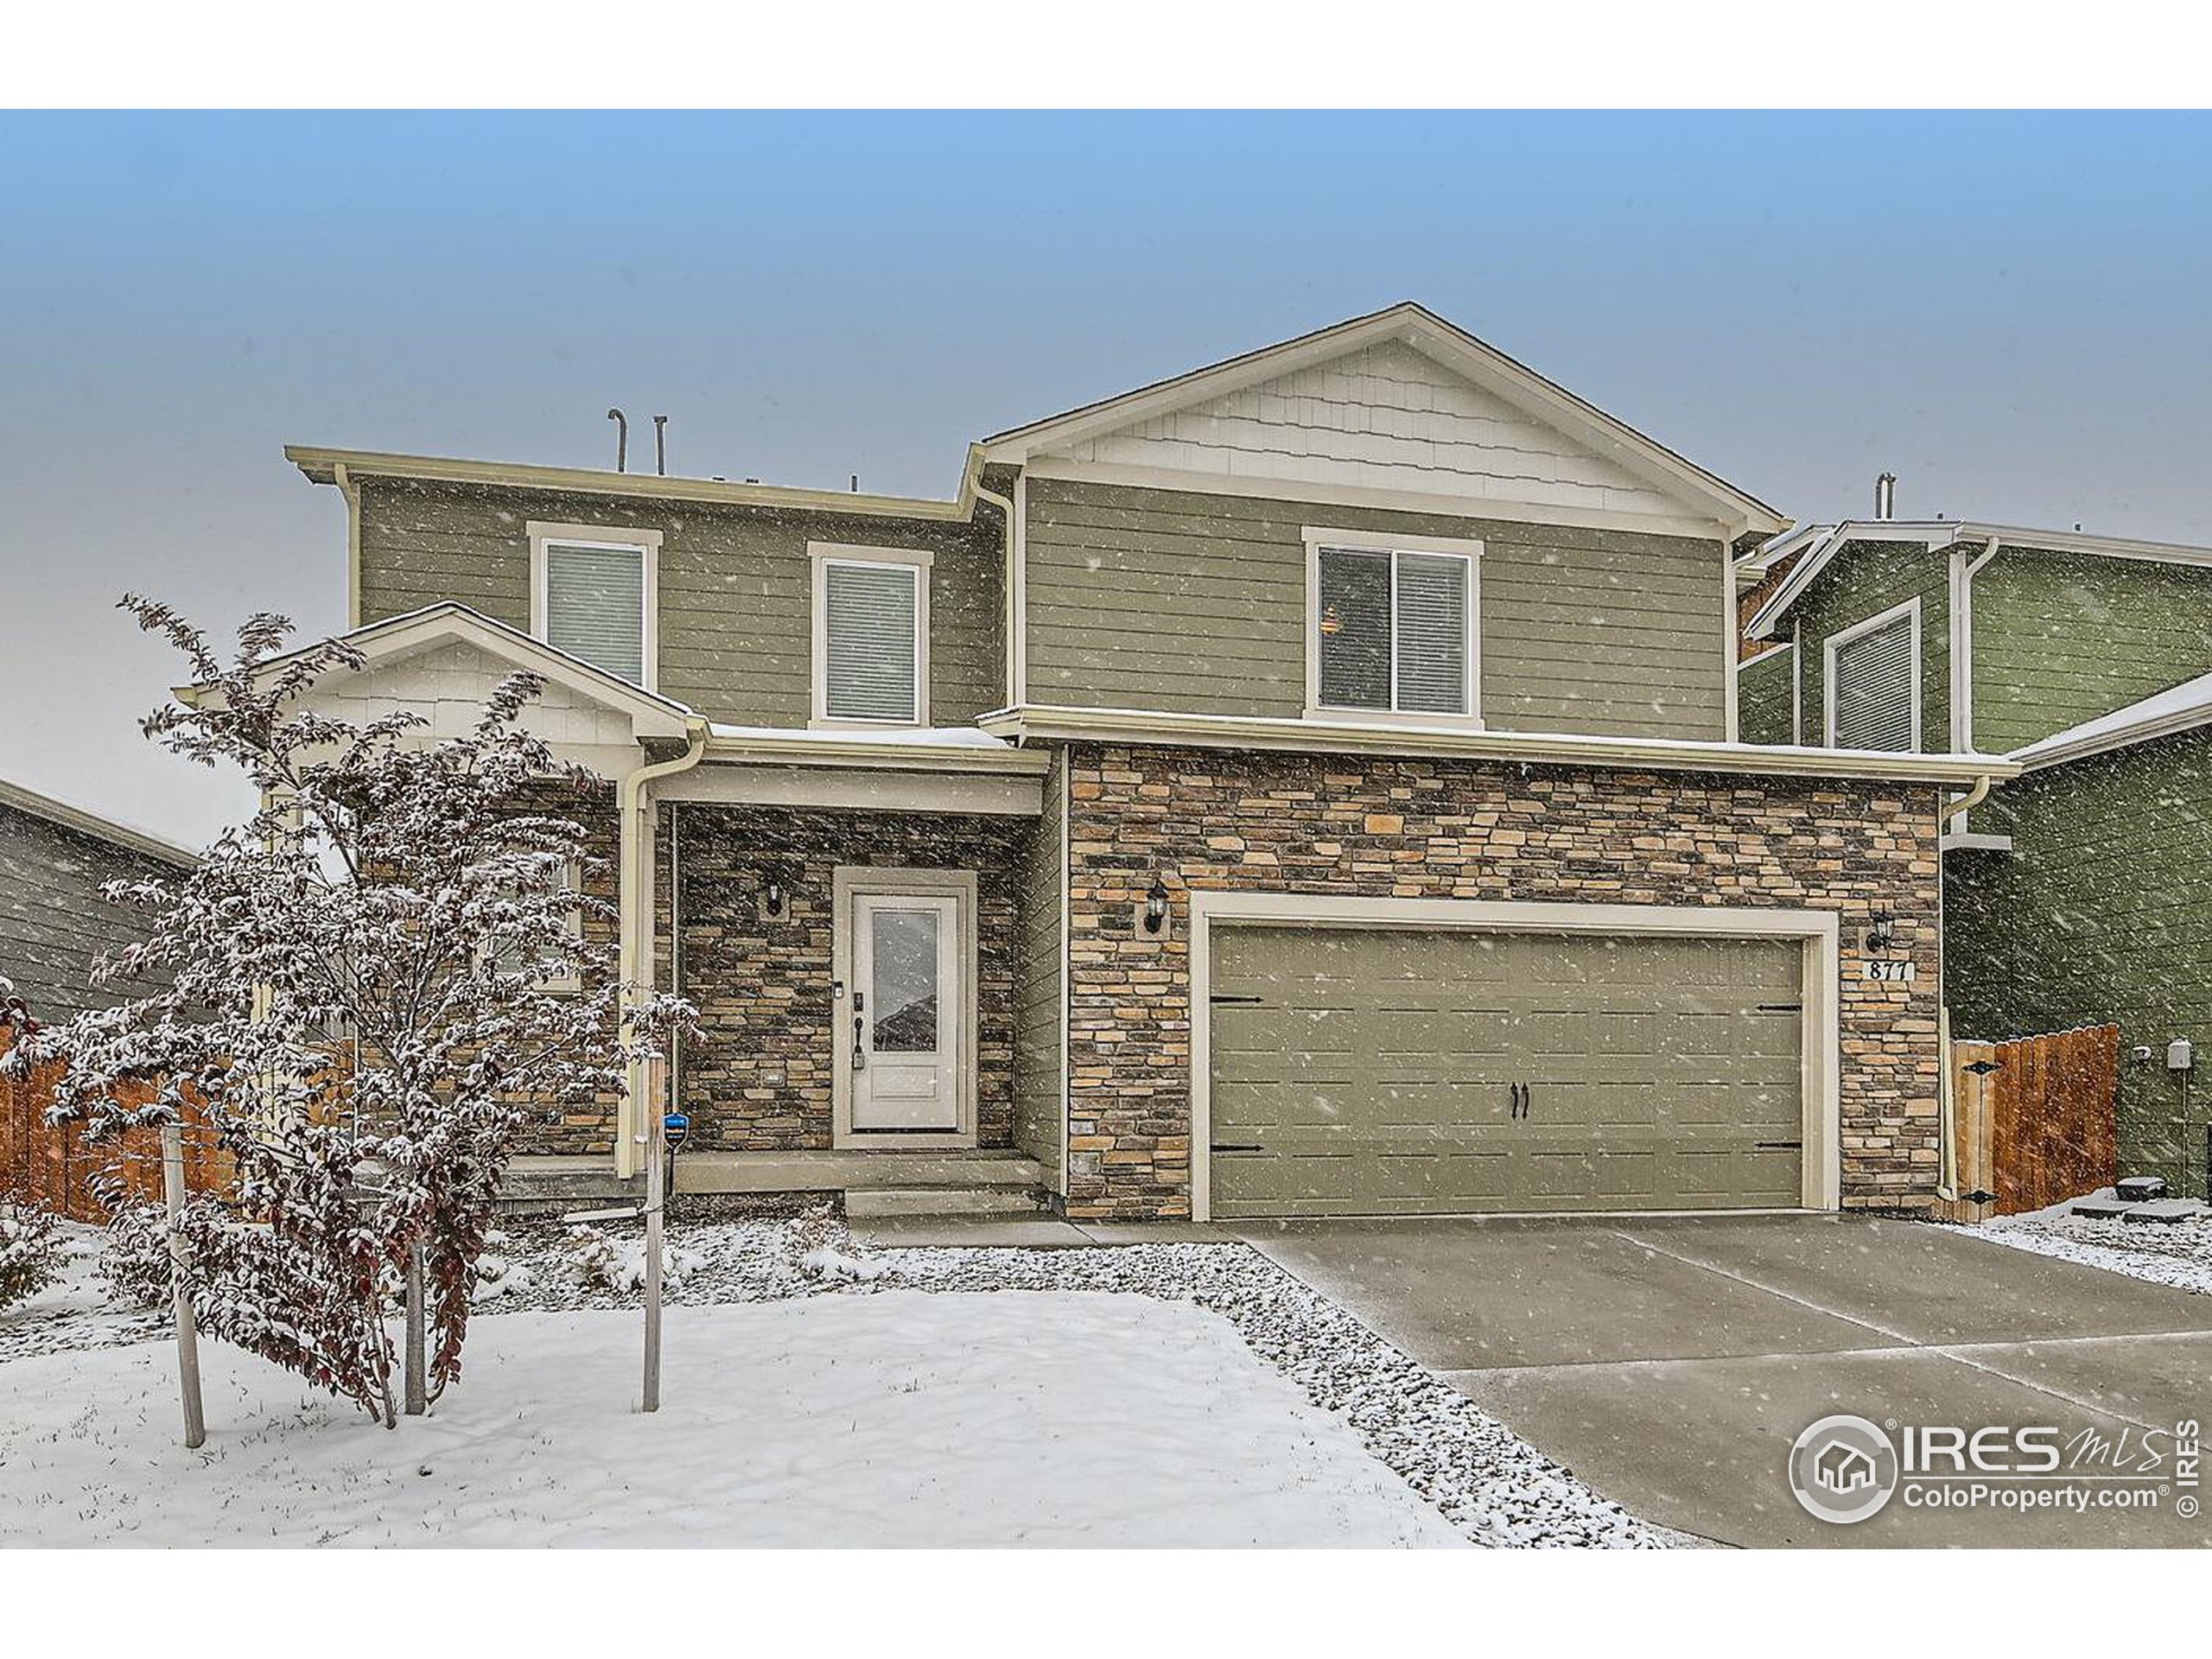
(901,1040)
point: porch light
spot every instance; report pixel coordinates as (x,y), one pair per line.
(1155,908)
(775,899)
(1882,934)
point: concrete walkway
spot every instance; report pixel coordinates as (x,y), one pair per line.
(1671,1362)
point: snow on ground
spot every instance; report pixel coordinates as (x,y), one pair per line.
(899,1419)
(76,1310)
(2177,1253)
(1484,1481)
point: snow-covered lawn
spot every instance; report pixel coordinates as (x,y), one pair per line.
(1145,1394)
(2178,1254)
(901,1419)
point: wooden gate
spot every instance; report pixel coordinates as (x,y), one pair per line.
(2038,1117)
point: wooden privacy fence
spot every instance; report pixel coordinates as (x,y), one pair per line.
(2038,1117)
(54,1167)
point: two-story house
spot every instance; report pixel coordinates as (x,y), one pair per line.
(1307,785)
(2081,893)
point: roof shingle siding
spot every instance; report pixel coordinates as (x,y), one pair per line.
(53,922)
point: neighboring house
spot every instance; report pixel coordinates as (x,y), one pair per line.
(1302,786)
(55,924)
(2077,895)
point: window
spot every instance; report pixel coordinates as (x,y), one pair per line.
(871,636)
(1873,681)
(594,595)
(1393,627)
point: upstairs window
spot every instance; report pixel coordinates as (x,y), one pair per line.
(593,596)
(1873,681)
(871,636)
(1393,629)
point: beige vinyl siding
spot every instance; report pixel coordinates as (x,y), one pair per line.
(1040,1033)
(1196,604)
(2062,638)
(736,586)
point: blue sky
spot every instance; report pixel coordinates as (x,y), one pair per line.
(2006,310)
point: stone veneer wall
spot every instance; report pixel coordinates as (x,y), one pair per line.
(585,1129)
(1235,820)
(757,1076)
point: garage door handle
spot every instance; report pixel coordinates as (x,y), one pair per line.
(1520,1095)
(1528,1098)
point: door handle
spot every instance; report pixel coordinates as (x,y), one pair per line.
(1527,1099)
(1513,1090)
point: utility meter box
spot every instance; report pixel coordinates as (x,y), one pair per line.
(2179,1055)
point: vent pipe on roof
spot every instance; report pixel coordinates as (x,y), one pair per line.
(621,439)
(1886,496)
(660,446)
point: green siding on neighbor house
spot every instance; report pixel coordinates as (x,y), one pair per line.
(1039,1023)
(1863,580)
(1196,603)
(2059,638)
(736,586)
(2102,912)
(55,924)
(1765,706)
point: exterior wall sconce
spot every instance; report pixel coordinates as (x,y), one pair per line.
(776,899)
(1152,917)
(1882,932)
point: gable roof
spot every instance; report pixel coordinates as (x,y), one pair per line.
(396,637)
(2179,708)
(1820,544)
(1424,332)
(45,807)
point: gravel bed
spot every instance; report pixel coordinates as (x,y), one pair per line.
(2178,1254)
(1492,1485)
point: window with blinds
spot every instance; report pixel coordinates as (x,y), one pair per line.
(1392,630)
(595,605)
(871,640)
(1873,698)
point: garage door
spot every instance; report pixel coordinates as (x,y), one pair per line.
(1392,1071)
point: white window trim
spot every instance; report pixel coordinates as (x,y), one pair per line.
(1911,608)
(917,560)
(645,542)
(1368,541)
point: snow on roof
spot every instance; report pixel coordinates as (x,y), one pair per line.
(95,824)
(2179,708)
(939,737)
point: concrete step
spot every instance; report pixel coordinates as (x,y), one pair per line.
(872,1202)
(549,1186)
(851,1172)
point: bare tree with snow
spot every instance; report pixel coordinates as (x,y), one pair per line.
(377,978)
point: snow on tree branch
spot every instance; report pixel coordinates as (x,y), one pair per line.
(374,982)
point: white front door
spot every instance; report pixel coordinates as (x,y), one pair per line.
(901,1044)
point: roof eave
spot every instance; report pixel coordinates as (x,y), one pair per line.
(1031,722)
(320,465)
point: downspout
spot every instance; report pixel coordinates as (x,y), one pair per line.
(350,488)
(634,945)
(1947,1136)
(1005,506)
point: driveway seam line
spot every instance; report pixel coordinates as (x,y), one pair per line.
(1745,1280)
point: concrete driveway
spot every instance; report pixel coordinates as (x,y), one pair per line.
(1671,1362)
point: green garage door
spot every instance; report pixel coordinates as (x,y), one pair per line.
(1393,1072)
